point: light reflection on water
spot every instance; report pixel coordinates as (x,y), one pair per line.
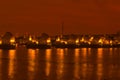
(76,66)
(12,64)
(99,71)
(77,55)
(48,58)
(0,64)
(60,64)
(99,63)
(31,63)
(110,52)
(99,55)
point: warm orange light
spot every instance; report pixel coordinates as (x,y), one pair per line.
(48,58)
(100,41)
(91,38)
(61,41)
(106,42)
(82,40)
(37,42)
(111,42)
(118,42)
(48,40)
(77,41)
(30,38)
(31,63)
(0,41)
(66,42)
(33,41)
(58,39)
(89,42)
(11,68)
(12,40)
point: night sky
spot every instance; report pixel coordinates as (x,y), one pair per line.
(46,16)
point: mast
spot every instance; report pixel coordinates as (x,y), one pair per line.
(62,29)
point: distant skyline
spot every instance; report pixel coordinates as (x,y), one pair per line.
(46,16)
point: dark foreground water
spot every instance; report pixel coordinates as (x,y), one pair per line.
(60,64)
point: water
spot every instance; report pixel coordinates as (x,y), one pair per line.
(60,64)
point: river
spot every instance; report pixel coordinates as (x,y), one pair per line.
(60,64)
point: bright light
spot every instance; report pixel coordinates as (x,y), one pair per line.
(33,41)
(82,40)
(37,42)
(77,41)
(0,41)
(58,39)
(91,38)
(111,42)
(100,41)
(89,42)
(48,40)
(30,38)
(12,40)
(65,42)
(106,42)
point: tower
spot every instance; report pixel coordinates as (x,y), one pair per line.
(62,29)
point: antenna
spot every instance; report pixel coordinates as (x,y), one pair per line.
(62,28)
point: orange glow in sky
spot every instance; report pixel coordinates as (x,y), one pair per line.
(79,16)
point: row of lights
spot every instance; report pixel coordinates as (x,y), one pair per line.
(78,41)
(37,42)
(12,41)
